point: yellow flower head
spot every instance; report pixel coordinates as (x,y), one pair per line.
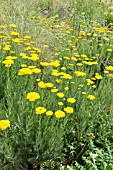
(98,77)
(66,88)
(89,81)
(84,92)
(80,74)
(13,33)
(6,48)
(44,64)
(23,65)
(12,25)
(24,71)
(40,110)
(32,96)
(60,103)
(71,100)
(69,110)
(58,80)
(27,37)
(49,85)
(42,85)
(66,76)
(49,113)
(109,50)
(91,97)
(54,90)
(79,64)
(63,68)
(60,95)
(59,114)
(110,75)
(36,70)
(33,58)
(4,124)
(109,68)
(8,62)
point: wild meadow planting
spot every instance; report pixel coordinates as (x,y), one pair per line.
(56,85)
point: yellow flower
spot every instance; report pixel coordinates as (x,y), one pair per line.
(89,34)
(60,103)
(70,64)
(6,48)
(93,78)
(72,82)
(49,113)
(36,70)
(54,90)
(71,100)
(61,95)
(80,74)
(11,58)
(17,40)
(49,85)
(58,80)
(109,68)
(40,110)
(33,58)
(105,38)
(44,64)
(32,96)
(89,81)
(79,64)
(74,59)
(66,88)
(42,85)
(95,35)
(94,86)
(13,33)
(84,92)
(106,72)
(4,124)
(45,46)
(31,67)
(66,58)
(12,25)
(24,71)
(97,76)
(34,55)
(8,62)
(63,68)
(55,74)
(81,85)
(83,33)
(55,63)
(110,75)
(27,37)
(91,97)
(22,54)
(90,63)
(2,26)
(59,114)
(69,110)
(66,76)
(100,44)
(37,49)
(109,50)
(84,56)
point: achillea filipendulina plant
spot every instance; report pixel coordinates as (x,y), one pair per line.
(56,84)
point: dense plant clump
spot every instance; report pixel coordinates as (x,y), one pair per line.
(56,65)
